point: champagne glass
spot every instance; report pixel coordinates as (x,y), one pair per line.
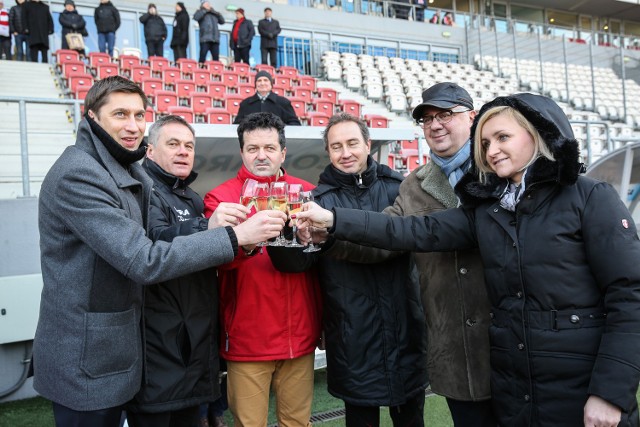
(307,196)
(247,194)
(294,205)
(260,198)
(278,201)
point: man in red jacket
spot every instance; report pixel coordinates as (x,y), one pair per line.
(270,320)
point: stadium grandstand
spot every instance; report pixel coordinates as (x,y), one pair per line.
(371,58)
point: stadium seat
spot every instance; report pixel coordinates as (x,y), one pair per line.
(76,79)
(333,72)
(218,116)
(215,67)
(264,67)
(317,118)
(184,112)
(140,72)
(328,94)
(150,115)
(187,66)
(409,144)
(164,100)
(127,62)
(230,78)
(241,69)
(202,77)
(300,107)
(376,121)
(151,85)
(397,103)
(97,58)
(374,91)
(307,82)
(278,91)
(66,55)
(81,91)
(71,66)
(171,75)
(200,102)
(353,81)
(107,70)
(303,93)
(412,159)
(217,90)
(350,107)
(158,64)
(291,72)
(246,89)
(323,106)
(184,88)
(282,82)
(232,103)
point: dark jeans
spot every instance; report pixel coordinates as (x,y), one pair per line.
(33,52)
(67,417)
(155,48)
(411,414)
(105,39)
(22,47)
(5,47)
(471,414)
(187,417)
(241,54)
(271,54)
(179,52)
(212,47)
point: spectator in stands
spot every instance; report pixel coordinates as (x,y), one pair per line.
(435,19)
(372,317)
(560,254)
(269,29)
(448,19)
(180,37)
(264,100)
(270,320)
(18,27)
(208,19)
(401,11)
(155,31)
(72,22)
(180,315)
(5,33)
(241,35)
(107,20)
(96,257)
(40,27)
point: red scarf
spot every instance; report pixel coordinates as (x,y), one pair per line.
(236,29)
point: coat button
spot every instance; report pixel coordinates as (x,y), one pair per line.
(519,294)
(495,210)
(491,315)
(513,244)
(463,270)
(470,322)
(520,346)
(527,398)
(574,318)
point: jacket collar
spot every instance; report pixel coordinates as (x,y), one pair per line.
(244,174)
(175,183)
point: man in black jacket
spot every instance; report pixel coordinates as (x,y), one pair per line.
(241,35)
(18,27)
(155,31)
(180,315)
(107,20)
(266,101)
(72,22)
(39,26)
(269,29)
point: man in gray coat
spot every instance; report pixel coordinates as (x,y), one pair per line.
(208,20)
(95,256)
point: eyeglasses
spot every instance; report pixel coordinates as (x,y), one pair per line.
(442,117)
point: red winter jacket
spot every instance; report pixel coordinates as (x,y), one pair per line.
(265,314)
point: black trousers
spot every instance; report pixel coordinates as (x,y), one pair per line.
(270,53)
(212,47)
(5,47)
(411,414)
(179,52)
(187,417)
(241,54)
(471,414)
(155,48)
(67,417)
(33,52)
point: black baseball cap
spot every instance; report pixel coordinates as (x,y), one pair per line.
(444,95)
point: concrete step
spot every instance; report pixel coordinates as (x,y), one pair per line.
(28,79)
(40,117)
(38,143)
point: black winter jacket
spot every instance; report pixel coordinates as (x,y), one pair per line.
(268,33)
(274,103)
(154,27)
(374,326)
(562,277)
(107,18)
(17,23)
(181,315)
(180,30)
(39,23)
(246,32)
(72,22)
(208,20)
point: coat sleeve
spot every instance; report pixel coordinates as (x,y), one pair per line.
(261,28)
(288,114)
(49,22)
(145,17)
(199,15)
(220,18)
(448,230)
(278,29)
(613,251)
(12,20)
(116,17)
(90,207)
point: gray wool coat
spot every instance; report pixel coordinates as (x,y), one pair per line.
(95,257)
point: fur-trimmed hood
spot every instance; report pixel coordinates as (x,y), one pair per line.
(554,128)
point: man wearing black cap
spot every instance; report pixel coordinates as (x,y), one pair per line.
(269,29)
(266,101)
(241,36)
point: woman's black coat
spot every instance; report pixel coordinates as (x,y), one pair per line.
(180,30)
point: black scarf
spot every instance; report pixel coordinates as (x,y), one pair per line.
(122,155)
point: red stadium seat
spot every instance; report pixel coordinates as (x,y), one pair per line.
(278,91)
(299,106)
(187,66)
(291,72)
(240,68)
(217,90)
(323,106)
(215,67)
(184,112)
(328,93)
(268,68)
(107,70)
(350,107)
(171,75)
(411,144)
(412,159)
(66,55)
(151,86)
(307,82)
(140,72)
(230,78)
(233,103)
(127,62)
(150,115)
(185,87)
(77,79)
(376,121)
(218,116)
(246,89)
(282,82)
(97,58)
(317,119)
(81,91)
(202,77)
(200,102)
(164,100)
(72,67)
(158,64)
(303,93)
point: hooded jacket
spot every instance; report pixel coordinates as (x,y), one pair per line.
(154,27)
(180,316)
(561,273)
(265,314)
(208,20)
(180,35)
(107,18)
(370,306)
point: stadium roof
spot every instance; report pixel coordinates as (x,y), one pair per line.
(615,9)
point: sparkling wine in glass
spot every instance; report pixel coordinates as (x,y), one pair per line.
(307,196)
(259,198)
(278,201)
(294,205)
(247,194)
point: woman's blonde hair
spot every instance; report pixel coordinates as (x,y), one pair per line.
(479,151)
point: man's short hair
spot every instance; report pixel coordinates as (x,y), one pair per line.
(268,8)
(99,93)
(261,121)
(154,130)
(342,118)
